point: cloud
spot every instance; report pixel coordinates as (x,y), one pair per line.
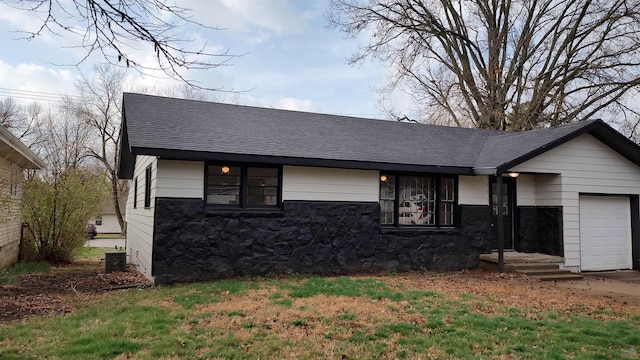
(28,82)
(296,104)
(254,19)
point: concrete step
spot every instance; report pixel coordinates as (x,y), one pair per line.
(513,267)
(558,277)
(531,272)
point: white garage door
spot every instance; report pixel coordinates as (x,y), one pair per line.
(605,233)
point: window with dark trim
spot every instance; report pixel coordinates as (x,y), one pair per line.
(417,200)
(243,186)
(147,187)
(135,192)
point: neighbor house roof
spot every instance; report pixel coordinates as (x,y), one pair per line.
(196,130)
(12,149)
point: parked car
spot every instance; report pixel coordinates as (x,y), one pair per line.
(91,231)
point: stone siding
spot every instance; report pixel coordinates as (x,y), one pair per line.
(540,230)
(195,243)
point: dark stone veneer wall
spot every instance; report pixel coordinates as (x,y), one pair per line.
(540,230)
(194,243)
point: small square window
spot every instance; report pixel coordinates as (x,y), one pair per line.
(223,187)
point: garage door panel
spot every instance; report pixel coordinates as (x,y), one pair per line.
(605,233)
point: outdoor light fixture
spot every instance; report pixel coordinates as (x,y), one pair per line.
(383,178)
(225,170)
(513,174)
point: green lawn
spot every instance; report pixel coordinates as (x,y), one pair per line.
(312,318)
(91,254)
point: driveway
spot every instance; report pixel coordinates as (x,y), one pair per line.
(629,276)
(106,243)
(623,286)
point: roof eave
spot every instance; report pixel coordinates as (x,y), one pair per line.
(485,171)
(126,160)
(188,155)
(19,153)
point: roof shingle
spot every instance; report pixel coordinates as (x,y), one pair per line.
(205,130)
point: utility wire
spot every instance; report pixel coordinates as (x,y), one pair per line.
(34,95)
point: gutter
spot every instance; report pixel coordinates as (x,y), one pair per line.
(20,149)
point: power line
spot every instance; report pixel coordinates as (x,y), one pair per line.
(34,95)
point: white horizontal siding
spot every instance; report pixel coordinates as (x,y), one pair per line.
(109,224)
(139,219)
(526,190)
(473,190)
(327,184)
(548,190)
(583,165)
(180,179)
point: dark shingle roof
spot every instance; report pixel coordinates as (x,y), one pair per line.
(196,130)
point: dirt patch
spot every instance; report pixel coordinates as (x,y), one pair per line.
(591,297)
(62,289)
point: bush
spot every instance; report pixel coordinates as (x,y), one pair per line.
(56,210)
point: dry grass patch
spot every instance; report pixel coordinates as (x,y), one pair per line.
(402,316)
(490,293)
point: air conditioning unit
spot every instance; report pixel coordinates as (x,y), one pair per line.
(115,261)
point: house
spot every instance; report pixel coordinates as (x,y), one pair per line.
(107,222)
(223,190)
(14,158)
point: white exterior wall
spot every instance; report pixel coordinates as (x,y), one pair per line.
(109,225)
(584,165)
(473,190)
(526,190)
(328,184)
(10,219)
(180,179)
(140,220)
(548,190)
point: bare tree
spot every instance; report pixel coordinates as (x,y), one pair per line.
(116,28)
(23,121)
(66,139)
(502,64)
(10,113)
(99,106)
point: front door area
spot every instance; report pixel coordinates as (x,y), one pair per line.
(508,210)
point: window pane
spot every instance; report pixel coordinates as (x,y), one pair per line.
(416,200)
(223,185)
(262,186)
(387,198)
(147,187)
(447,201)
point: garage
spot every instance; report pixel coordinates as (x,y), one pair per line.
(605,233)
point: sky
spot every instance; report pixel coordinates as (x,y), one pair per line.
(290,58)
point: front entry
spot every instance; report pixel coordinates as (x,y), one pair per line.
(508,210)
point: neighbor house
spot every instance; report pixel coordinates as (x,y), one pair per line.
(14,158)
(224,190)
(107,222)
